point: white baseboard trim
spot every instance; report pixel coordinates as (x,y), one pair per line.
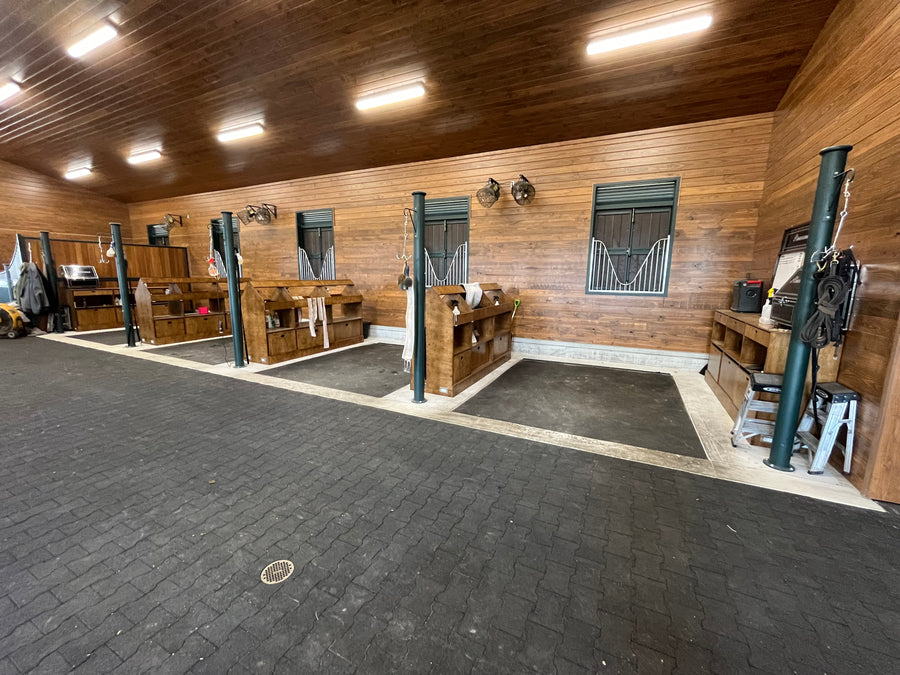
(387,332)
(653,358)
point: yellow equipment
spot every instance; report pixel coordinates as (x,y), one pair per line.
(12,322)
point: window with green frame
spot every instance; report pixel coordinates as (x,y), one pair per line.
(218,241)
(315,244)
(447,240)
(157,235)
(632,228)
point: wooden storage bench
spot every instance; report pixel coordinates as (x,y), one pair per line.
(739,345)
(462,348)
(168,309)
(276,318)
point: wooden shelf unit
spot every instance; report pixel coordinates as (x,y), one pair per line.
(166,309)
(93,308)
(739,345)
(461,349)
(286,303)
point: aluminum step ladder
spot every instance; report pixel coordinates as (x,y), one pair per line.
(748,427)
(836,407)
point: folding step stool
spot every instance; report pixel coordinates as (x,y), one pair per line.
(836,407)
(747,427)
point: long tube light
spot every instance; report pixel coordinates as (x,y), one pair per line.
(235,133)
(99,37)
(391,96)
(141,157)
(9,89)
(652,34)
(78,173)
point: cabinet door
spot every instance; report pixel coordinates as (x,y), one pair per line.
(282,342)
(715,362)
(198,327)
(733,379)
(169,327)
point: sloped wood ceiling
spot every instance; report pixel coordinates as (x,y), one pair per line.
(498,75)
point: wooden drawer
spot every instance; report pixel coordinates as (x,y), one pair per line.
(734,324)
(197,327)
(168,327)
(282,342)
(757,335)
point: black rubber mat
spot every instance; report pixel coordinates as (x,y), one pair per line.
(212,352)
(373,369)
(113,337)
(610,404)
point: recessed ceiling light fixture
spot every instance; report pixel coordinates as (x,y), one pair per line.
(389,96)
(9,89)
(653,33)
(99,37)
(78,173)
(141,157)
(234,133)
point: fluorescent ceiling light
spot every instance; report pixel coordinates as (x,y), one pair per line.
(100,36)
(142,157)
(9,89)
(78,173)
(240,132)
(391,96)
(658,32)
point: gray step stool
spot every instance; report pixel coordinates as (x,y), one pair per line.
(836,408)
(748,427)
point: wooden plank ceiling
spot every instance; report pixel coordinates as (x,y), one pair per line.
(497,74)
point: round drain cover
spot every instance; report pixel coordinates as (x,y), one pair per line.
(276,572)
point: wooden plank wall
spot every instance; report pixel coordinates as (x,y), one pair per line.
(537,252)
(848,92)
(143,261)
(32,203)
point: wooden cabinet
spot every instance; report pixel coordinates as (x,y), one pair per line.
(170,310)
(93,308)
(277,318)
(739,345)
(463,346)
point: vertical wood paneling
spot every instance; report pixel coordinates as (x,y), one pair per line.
(31,203)
(163,261)
(537,252)
(847,91)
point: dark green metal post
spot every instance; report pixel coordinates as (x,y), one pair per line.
(52,281)
(122,273)
(234,290)
(419,289)
(821,231)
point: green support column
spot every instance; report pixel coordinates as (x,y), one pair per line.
(419,286)
(821,231)
(234,290)
(52,281)
(122,274)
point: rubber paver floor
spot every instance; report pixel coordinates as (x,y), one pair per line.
(373,369)
(139,503)
(212,352)
(113,337)
(610,404)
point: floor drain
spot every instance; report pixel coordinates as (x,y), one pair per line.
(276,572)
